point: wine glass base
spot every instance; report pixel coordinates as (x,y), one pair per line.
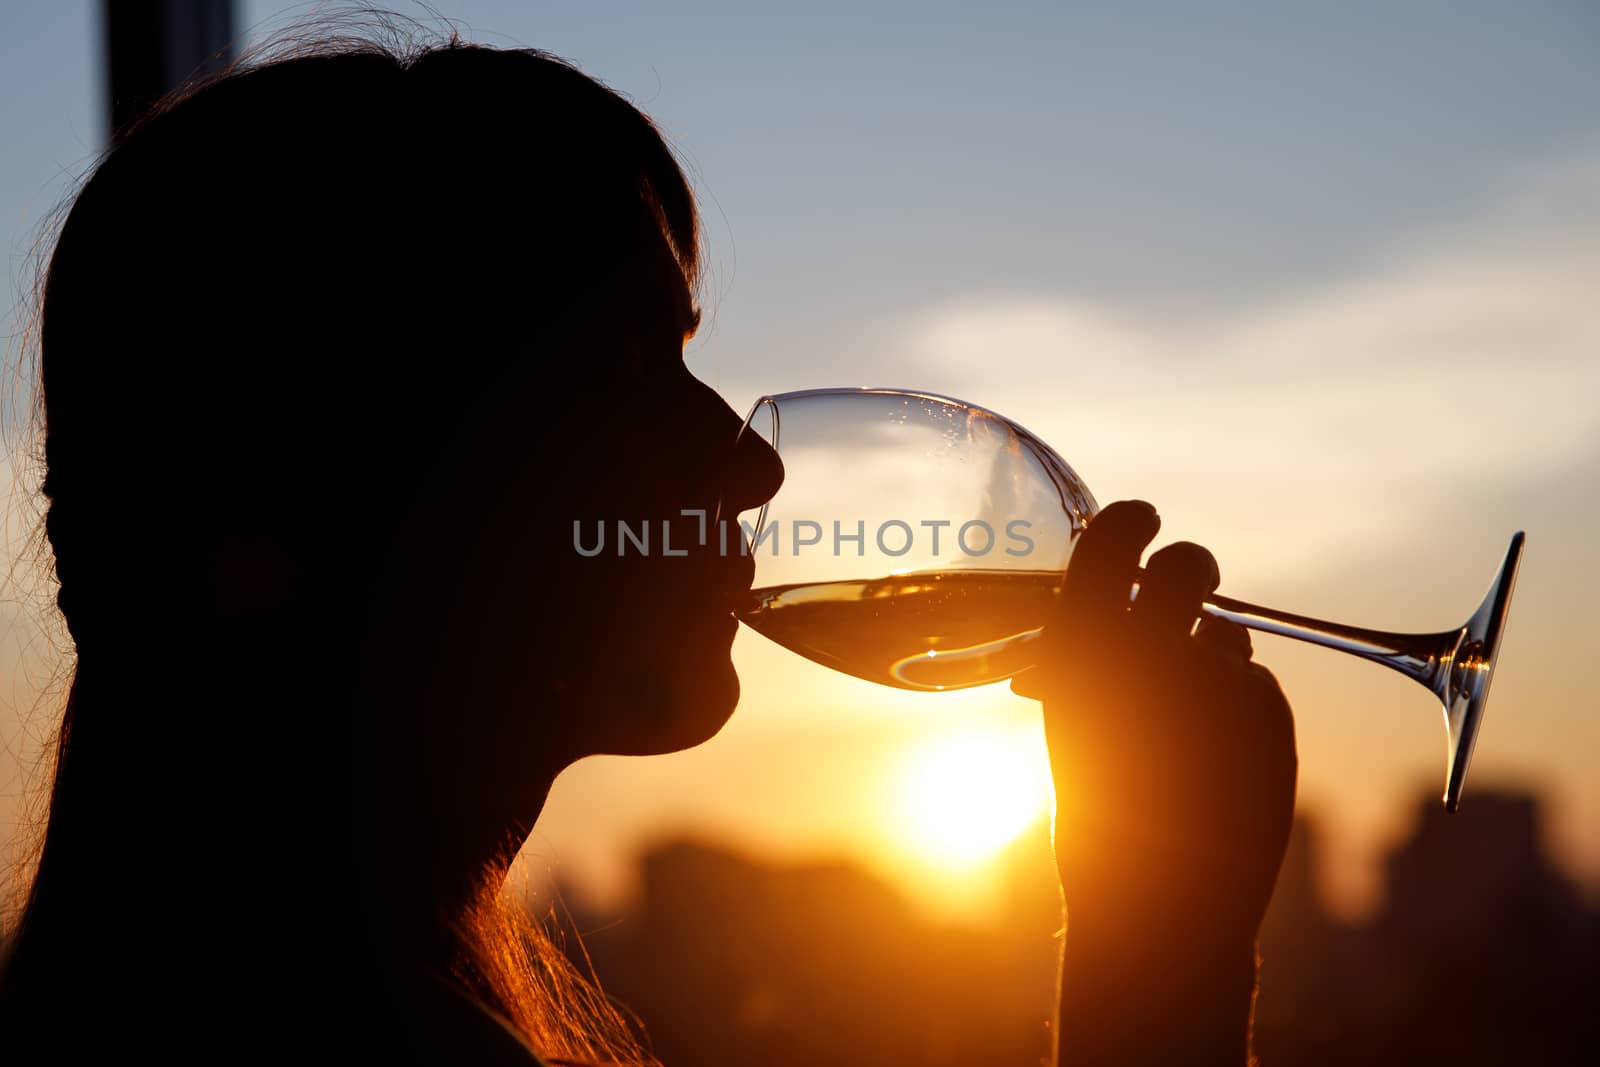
(1465,691)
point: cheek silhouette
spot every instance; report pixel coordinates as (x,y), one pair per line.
(660,703)
(690,669)
(641,657)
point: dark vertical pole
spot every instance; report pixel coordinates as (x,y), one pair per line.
(154,46)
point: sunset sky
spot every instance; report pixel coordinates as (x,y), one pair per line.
(1321,286)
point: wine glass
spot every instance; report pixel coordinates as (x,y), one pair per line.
(919,541)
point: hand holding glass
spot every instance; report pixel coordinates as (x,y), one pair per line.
(919,541)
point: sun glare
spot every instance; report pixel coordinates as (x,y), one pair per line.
(959,799)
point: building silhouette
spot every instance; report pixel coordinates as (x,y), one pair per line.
(1482,953)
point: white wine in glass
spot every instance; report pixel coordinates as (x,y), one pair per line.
(919,541)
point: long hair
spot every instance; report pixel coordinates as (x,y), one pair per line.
(316,235)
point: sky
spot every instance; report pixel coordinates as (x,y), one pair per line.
(1317,283)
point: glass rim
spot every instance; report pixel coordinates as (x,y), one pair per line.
(1049,458)
(882,390)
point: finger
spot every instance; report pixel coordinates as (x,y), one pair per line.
(1227,640)
(1105,560)
(1176,581)
(1273,704)
(1267,726)
(1099,578)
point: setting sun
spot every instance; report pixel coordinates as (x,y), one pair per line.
(958,799)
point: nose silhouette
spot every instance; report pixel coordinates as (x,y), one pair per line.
(752,476)
(747,469)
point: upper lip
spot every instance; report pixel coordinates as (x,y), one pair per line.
(739,574)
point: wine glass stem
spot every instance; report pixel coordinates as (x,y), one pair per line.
(1424,658)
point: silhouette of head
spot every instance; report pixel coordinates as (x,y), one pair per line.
(335,352)
(349,342)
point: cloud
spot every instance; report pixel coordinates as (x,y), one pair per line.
(1334,421)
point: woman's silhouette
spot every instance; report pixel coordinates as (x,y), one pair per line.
(333,351)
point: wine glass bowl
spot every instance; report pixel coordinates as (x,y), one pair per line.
(916,539)
(919,541)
